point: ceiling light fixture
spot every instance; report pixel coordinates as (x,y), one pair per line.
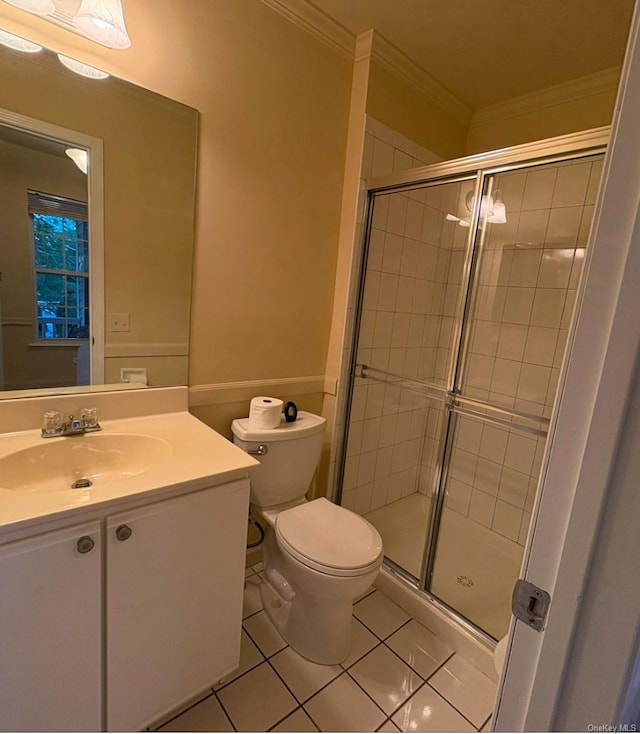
(80,157)
(83,69)
(40,7)
(103,21)
(492,210)
(17,43)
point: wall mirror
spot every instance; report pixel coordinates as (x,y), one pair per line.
(95,268)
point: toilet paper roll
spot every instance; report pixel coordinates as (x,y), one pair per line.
(265,412)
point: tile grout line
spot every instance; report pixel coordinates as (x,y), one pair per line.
(383,644)
(443,697)
(417,672)
(284,718)
(315,693)
(225,712)
(366,595)
(466,718)
(248,670)
(266,657)
(368,695)
(242,675)
(375,634)
(486,721)
(442,664)
(255,667)
(295,698)
(386,721)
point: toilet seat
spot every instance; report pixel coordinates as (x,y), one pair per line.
(329,538)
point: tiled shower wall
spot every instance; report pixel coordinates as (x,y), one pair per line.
(410,298)
(385,433)
(529,273)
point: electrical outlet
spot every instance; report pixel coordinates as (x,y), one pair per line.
(119,322)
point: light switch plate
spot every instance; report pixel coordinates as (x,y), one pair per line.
(119,322)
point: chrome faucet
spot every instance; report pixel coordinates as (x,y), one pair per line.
(53,424)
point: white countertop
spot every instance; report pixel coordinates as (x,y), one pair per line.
(198,458)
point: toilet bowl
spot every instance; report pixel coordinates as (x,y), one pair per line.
(318,557)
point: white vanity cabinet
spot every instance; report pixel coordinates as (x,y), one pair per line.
(174,580)
(115,622)
(50,631)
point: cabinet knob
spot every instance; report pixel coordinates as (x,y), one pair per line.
(123,532)
(85,544)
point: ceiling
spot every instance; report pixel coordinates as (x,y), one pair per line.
(487,51)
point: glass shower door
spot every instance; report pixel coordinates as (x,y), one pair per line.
(415,273)
(526,272)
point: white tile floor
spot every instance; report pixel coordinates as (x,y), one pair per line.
(398,677)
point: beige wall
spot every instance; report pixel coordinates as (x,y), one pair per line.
(401,105)
(22,169)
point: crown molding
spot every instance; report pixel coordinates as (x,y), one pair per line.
(364,45)
(317,23)
(369,44)
(396,61)
(580,88)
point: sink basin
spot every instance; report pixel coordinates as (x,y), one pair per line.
(60,464)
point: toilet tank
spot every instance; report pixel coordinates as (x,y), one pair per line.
(286,470)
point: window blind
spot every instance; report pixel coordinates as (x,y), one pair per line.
(41,203)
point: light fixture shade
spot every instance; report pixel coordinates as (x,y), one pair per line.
(80,157)
(103,21)
(18,44)
(499,215)
(499,212)
(41,7)
(486,207)
(83,69)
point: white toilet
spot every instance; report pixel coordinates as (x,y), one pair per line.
(318,557)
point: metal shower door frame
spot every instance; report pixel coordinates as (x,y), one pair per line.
(481,167)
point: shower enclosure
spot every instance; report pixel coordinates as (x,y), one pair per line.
(468,281)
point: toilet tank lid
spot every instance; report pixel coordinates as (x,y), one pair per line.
(305,425)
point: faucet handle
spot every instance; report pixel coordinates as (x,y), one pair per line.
(90,417)
(51,423)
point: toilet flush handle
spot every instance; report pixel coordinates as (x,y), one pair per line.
(262,450)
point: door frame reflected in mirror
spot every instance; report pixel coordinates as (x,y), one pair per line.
(95,203)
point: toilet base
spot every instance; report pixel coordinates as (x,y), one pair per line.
(318,632)
(312,611)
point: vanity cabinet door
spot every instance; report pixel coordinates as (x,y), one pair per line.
(50,631)
(175,574)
